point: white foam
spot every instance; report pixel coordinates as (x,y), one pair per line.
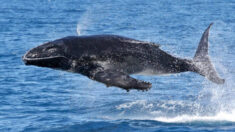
(221,116)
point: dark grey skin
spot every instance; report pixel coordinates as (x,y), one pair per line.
(110,59)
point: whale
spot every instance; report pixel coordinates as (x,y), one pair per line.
(112,59)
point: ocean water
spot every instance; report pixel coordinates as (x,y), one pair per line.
(47,100)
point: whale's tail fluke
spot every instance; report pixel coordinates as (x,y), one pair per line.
(201,60)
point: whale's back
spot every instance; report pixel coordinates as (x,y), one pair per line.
(103,45)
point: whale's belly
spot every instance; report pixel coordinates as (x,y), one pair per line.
(132,65)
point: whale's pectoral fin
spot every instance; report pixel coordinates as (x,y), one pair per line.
(120,79)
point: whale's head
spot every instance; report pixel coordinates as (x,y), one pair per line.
(51,54)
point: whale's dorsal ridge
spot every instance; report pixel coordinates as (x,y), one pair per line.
(124,39)
(130,40)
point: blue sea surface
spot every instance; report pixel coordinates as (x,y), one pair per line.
(47,100)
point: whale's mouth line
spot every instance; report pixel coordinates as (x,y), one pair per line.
(51,61)
(26,59)
(44,58)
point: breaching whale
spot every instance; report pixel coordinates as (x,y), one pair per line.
(111,59)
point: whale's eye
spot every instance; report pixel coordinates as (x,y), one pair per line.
(50,50)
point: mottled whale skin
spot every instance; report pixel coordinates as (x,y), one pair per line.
(111,59)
